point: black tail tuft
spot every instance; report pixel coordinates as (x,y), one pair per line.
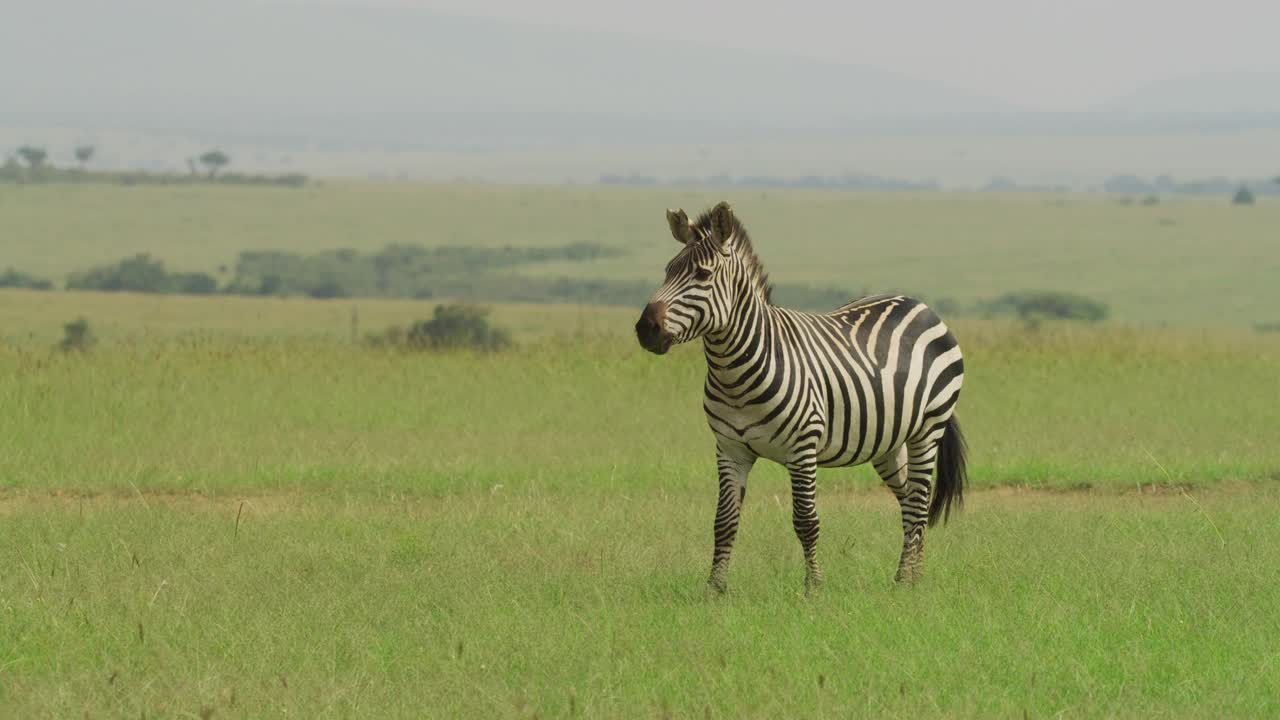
(951,473)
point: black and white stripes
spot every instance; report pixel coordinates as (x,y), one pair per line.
(873,381)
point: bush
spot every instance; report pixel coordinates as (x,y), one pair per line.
(142,274)
(1034,306)
(405,271)
(1243,196)
(77,336)
(136,274)
(451,327)
(13,279)
(327,289)
(193,283)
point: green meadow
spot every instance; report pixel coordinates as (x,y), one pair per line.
(1181,262)
(230,507)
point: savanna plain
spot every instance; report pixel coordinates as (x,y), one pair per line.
(230,507)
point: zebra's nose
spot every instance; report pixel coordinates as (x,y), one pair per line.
(649,327)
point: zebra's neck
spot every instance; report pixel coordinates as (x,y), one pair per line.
(751,331)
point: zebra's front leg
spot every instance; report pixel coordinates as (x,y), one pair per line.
(804,517)
(733,464)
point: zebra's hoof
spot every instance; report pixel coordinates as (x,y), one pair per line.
(905,580)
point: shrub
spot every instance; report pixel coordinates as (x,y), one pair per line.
(457,326)
(451,327)
(136,274)
(142,274)
(405,271)
(1243,196)
(327,289)
(1033,306)
(193,283)
(13,279)
(77,336)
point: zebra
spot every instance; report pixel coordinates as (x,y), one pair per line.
(875,380)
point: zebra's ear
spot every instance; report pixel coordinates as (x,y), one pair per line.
(722,225)
(680,229)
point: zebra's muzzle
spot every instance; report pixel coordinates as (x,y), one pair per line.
(649,330)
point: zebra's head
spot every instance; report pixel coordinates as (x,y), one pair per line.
(705,280)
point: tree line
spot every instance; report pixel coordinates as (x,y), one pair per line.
(483,275)
(30,164)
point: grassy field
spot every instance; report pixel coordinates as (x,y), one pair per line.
(34,319)
(519,603)
(287,527)
(1062,407)
(229,509)
(1182,262)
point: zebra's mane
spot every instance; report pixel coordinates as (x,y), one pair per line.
(742,245)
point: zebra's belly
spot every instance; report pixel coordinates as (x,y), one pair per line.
(760,439)
(779,436)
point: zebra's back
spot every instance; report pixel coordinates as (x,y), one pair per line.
(900,378)
(845,387)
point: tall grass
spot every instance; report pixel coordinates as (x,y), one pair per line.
(248,527)
(1062,407)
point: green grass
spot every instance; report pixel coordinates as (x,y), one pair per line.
(227,509)
(258,527)
(33,319)
(519,602)
(1183,262)
(1061,407)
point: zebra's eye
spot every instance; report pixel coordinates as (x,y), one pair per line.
(702,273)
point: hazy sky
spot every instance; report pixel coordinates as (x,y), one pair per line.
(1042,55)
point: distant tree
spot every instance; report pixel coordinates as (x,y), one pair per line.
(33,156)
(136,274)
(215,160)
(327,288)
(193,283)
(84,153)
(457,326)
(11,278)
(1032,306)
(1243,196)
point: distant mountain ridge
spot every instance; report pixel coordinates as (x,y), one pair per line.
(1209,94)
(139,56)
(404,75)
(387,92)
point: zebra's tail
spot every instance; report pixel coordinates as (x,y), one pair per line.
(951,473)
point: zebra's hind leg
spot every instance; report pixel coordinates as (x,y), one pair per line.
(804,517)
(733,464)
(909,474)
